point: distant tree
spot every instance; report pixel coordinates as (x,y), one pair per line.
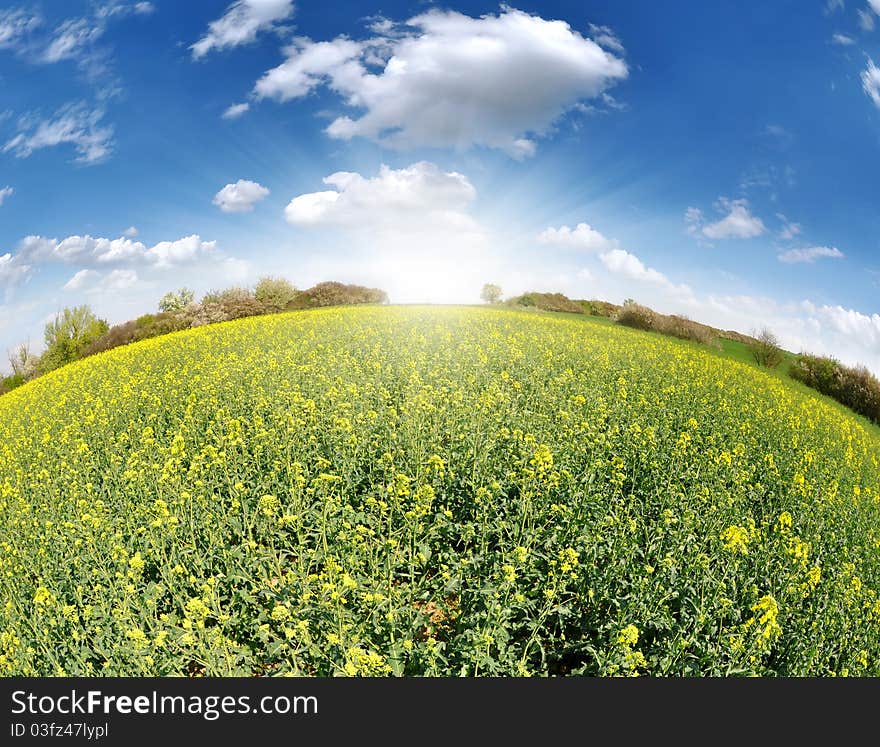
(23,362)
(68,335)
(491,293)
(176,300)
(275,293)
(766,350)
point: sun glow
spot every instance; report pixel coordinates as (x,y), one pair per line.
(433,279)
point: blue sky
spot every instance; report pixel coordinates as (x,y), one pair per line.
(702,159)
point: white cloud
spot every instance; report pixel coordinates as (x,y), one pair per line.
(613,103)
(789,229)
(114,9)
(101,252)
(833,5)
(621,262)
(34,248)
(120,280)
(866,20)
(768,177)
(71,40)
(871,82)
(12,271)
(419,195)
(94,282)
(236,270)
(73,124)
(15,25)
(168,254)
(605,37)
(81,279)
(779,134)
(810,255)
(130,232)
(843,40)
(78,40)
(308,64)
(693,218)
(235,111)
(241,23)
(875,6)
(624,265)
(739,223)
(4,193)
(854,324)
(240,197)
(582,237)
(416,86)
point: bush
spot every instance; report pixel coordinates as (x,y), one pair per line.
(819,372)
(336,294)
(176,300)
(684,329)
(120,334)
(275,293)
(860,391)
(228,295)
(11,382)
(635,315)
(766,350)
(164,324)
(547,302)
(856,387)
(729,334)
(238,307)
(209,313)
(142,328)
(599,308)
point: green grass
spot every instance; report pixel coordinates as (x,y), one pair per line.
(739,351)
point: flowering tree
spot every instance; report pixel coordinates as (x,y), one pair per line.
(491,293)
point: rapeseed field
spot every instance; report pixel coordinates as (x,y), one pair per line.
(432,491)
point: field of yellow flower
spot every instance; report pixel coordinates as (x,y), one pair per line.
(432,491)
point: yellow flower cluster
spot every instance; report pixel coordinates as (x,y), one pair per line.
(736,539)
